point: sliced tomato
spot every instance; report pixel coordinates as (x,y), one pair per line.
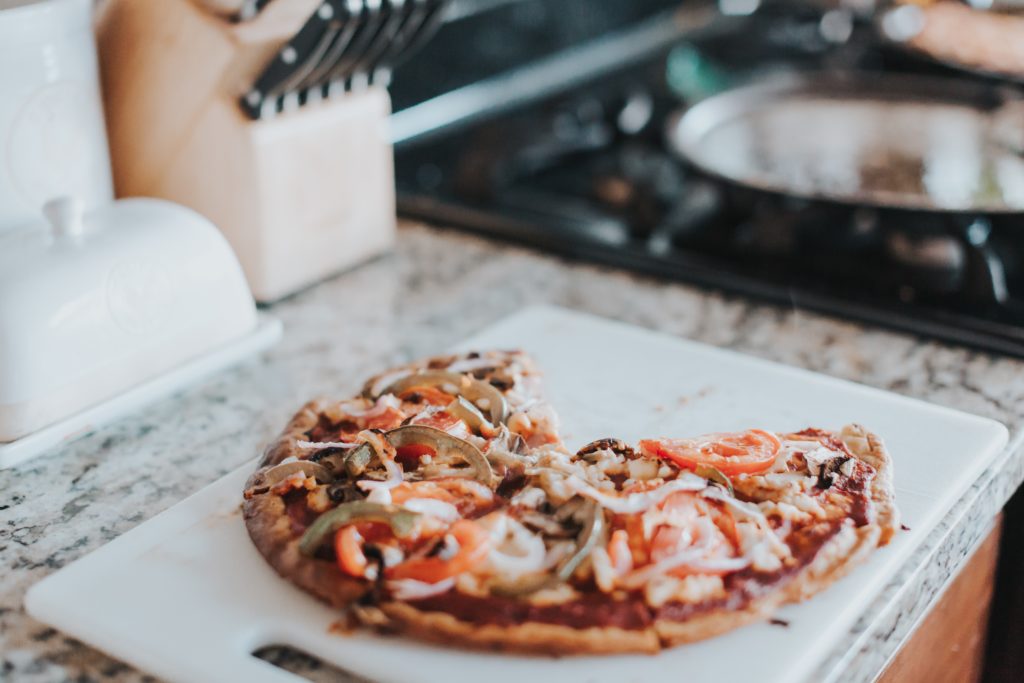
(738,453)
(410,455)
(466,495)
(426,394)
(389,419)
(349,541)
(443,420)
(619,552)
(348,548)
(474,542)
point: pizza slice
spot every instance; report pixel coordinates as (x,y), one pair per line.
(672,542)
(450,425)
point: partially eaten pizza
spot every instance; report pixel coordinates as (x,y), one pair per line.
(442,503)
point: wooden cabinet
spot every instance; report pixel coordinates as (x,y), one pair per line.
(949,644)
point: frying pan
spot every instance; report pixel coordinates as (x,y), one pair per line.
(875,140)
(916,150)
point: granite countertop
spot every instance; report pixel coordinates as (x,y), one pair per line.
(437,288)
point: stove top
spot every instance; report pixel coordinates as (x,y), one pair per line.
(585,172)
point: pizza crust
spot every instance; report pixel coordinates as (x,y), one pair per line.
(530,637)
(269,526)
(869,448)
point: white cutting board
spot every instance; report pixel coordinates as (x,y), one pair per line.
(185,596)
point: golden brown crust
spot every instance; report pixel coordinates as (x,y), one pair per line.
(284,445)
(269,525)
(530,637)
(672,633)
(869,448)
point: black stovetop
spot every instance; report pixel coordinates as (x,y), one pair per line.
(586,173)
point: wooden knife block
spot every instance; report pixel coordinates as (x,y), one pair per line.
(299,196)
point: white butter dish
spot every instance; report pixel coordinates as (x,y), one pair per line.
(93,306)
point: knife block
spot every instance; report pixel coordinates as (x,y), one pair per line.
(300,196)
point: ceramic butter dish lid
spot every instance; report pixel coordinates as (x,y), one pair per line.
(92,305)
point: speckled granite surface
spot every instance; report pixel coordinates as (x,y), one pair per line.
(437,289)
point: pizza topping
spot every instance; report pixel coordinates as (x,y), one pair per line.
(348,549)
(642,469)
(732,453)
(619,553)
(529,497)
(402,522)
(817,458)
(588,539)
(471,416)
(464,546)
(481,394)
(515,550)
(288,476)
(433,507)
(467,495)
(631,503)
(418,440)
(437,417)
(377,385)
(847,468)
(536,422)
(358,410)
(715,475)
(617,446)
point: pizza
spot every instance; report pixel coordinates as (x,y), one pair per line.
(442,503)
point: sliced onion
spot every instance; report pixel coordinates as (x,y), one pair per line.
(694,557)
(749,511)
(380,406)
(632,503)
(432,507)
(395,477)
(411,589)
(527,550)
(379,495)
(386,380)
(745,509)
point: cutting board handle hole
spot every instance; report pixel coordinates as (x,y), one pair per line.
(302,664)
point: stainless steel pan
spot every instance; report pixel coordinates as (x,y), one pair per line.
(884,141)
